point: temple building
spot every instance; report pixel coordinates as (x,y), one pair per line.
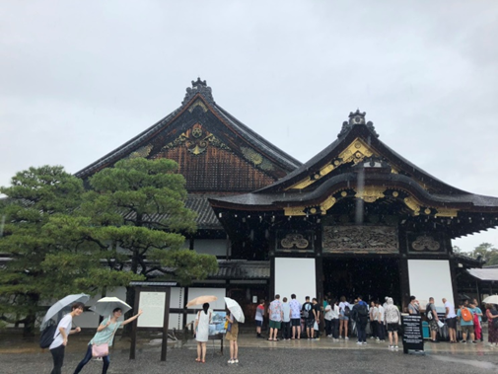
(356,219)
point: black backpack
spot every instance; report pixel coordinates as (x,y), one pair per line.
(347,311)
(306,312)
(48,335)
(362,311)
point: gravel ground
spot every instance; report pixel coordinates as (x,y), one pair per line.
(268,360)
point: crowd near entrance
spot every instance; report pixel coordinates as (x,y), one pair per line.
(374,278)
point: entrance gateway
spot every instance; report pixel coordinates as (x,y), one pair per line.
(358,219)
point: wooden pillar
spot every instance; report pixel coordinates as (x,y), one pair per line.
(319,263)
(404,279)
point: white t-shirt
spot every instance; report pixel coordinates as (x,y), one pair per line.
(328,313)
(335,312)
(451,310)
(343,305)
(66,323)
(380,313)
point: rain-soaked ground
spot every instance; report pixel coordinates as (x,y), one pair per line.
(258,355)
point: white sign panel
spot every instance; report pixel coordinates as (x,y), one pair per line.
(430,278)
(153,306)
(295,276)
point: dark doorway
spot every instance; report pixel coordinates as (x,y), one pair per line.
(373,278)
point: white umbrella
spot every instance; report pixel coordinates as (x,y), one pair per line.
(106,305)
(235,309)
(493,299)
(56,311)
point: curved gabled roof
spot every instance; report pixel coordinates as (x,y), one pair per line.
(230,130)
(330,170)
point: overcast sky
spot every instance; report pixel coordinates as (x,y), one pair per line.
(79,78)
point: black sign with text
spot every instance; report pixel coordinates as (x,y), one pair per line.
(412,333)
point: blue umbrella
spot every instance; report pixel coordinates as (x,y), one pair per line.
(61,307)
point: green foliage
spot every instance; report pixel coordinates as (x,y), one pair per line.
(140,206)
(486,252)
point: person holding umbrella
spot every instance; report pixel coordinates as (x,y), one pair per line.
(58,346)
(236,316)
(202,331)
(106,330)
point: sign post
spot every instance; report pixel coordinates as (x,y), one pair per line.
(154,299)
(413,338)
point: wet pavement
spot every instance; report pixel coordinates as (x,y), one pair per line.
(291,356)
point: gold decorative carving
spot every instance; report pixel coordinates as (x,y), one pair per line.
(413,204)
(424,242)
(355,152)
(370,194)
(256,158)
(196,139)
(141,152)
(344,194)
(327,204)
(294,211)
(395,193)
(294,240)
(197,103)
(446,212)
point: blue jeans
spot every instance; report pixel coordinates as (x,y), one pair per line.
(88,357)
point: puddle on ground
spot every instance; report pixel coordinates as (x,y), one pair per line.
(475,363)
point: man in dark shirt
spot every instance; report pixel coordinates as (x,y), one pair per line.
(360,315)
(316,315)
(309,317)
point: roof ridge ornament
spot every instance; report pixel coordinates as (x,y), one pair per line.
(199,87)
(356,118)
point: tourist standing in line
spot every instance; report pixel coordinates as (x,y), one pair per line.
(450,320)
(259,317)
(466,319)
(431,315)
(309,317)
(381,327)
(105,334)
(232,336)
(414,306)
(316,315)
(373,314)
(478,321)
(492,314)
(392,318)
(276,314)
(58,346)
(360,315)
(202,331)
(328,318)
(295,307)
(345,311)
(286,320)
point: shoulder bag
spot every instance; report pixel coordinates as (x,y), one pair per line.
(102,350)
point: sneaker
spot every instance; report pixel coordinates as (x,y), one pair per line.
(346,338)
(230,361)
(391,348)
(464,341)
(236,361)
(364,343)
(396,348)
(329,336)
(359,343)
(474,341)
(377,339)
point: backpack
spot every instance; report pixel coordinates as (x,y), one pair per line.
(306,310)
(428,312)
(362,311)
(347,311)
(466,315)
(48,335)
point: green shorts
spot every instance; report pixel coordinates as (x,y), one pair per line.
(275,324)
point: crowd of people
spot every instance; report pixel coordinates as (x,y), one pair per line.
(340,319)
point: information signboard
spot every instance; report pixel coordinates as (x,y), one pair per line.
(413,338)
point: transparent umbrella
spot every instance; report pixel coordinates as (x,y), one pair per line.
(106,305)
(63,306)
(235,309)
